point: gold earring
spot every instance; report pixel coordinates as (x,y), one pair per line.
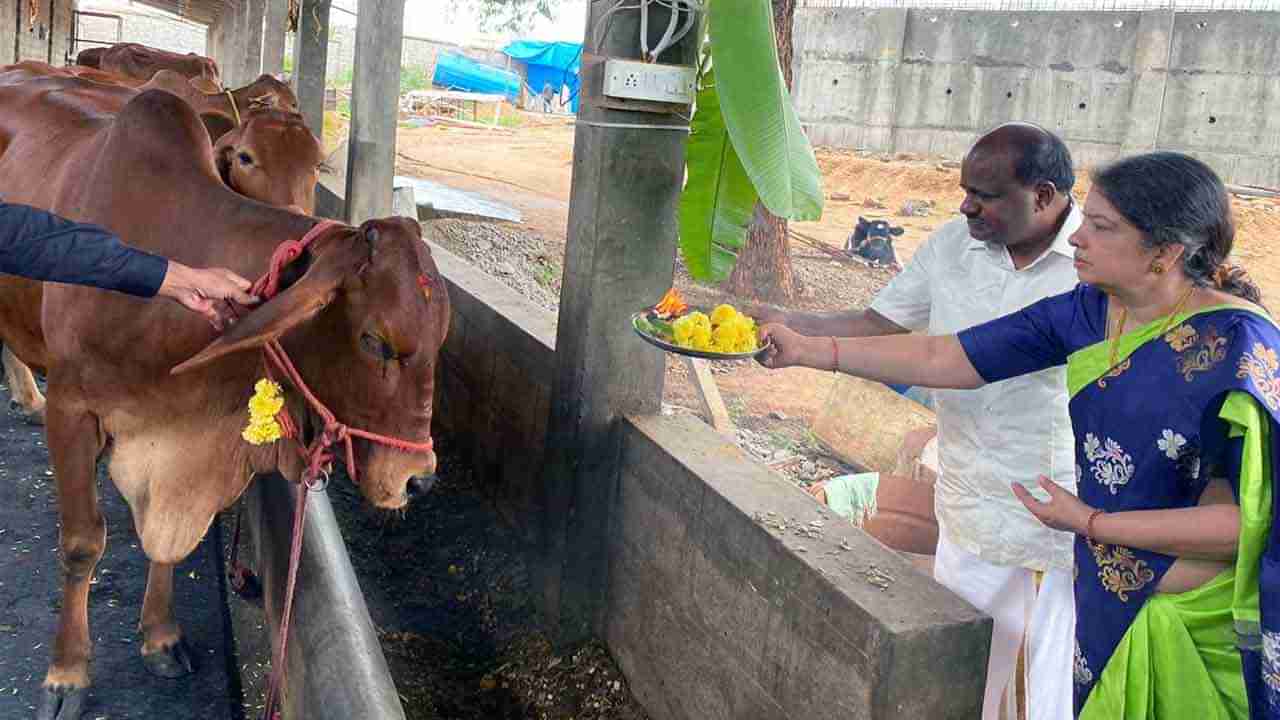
(1157,268)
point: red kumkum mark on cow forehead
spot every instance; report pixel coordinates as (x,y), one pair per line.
(424,282)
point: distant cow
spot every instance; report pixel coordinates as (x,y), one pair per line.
(872,240)
(141,63)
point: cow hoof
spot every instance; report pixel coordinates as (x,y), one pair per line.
(171,663)
(62,703)
(31,417)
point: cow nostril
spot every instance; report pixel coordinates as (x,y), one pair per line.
(420,485)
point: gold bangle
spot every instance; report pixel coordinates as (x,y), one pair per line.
(1088,526)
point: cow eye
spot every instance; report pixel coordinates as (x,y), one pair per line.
(245,159)
(377,347)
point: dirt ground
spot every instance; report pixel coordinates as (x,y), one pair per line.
(530,168)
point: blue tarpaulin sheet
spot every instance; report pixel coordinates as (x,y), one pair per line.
(549,62)
(457,72)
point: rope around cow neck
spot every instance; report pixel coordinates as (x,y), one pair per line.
(317,458)
(234,109)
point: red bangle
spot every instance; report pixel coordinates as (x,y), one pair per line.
(1088,526)
(835,355)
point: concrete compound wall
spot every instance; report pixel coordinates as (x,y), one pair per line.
(146,28)
(930,81)
(710,613)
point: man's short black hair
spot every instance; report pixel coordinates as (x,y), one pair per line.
(1045,159)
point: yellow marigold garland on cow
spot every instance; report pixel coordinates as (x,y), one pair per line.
(265,404)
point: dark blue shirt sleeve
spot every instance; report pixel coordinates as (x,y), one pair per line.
(1039,336)
(42,246)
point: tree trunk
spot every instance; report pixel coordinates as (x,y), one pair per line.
(763,270)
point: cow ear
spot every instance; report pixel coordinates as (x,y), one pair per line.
(302,301)
(896,231)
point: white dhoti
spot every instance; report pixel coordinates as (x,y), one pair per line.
(1044,619)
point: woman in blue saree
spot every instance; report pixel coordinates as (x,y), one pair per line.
(1173,371)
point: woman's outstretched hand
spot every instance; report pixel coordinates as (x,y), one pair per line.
(1063,511)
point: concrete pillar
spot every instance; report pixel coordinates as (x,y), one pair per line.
(255,13)
(619,258)
(210,51)
(273,37)
(375,95)
(231,43)
(310,55)
(1150,76)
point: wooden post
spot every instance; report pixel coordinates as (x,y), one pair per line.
(619,257)
(375,94)
(708,394)
(310,55)
(273,37)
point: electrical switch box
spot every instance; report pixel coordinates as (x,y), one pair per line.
(635,80)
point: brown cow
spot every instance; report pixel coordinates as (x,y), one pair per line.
(363,314)
(271,157)
(140,63)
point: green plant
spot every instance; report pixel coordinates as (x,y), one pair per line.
(343,80)
(745,142)
(414,78)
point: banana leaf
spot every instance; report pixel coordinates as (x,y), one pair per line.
(757,110)
(718,198)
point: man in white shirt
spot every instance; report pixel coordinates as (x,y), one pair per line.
(1009,251)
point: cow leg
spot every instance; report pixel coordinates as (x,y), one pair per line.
(74,445)
(164,651)
(23,393)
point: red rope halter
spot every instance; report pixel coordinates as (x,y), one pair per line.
(318,458)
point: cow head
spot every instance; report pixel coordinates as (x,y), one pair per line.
(873,240)
(268,91)
(271,157)
(209,78)
(366,312)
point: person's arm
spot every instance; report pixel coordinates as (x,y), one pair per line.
(1209,531)
(935,361)
(848,323)
(902,306)
(42,246)
(1029,340)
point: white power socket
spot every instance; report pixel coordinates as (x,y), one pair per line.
(634,80)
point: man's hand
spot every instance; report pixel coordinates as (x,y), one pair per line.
(789,348)
(202,290)
(765,315)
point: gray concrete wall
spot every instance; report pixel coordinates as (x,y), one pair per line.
(145,28)
(494,385)
(713,613)
(928,81)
